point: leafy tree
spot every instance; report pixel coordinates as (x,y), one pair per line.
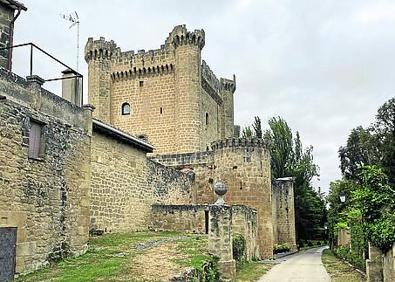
(359,151)
(280,143)
(289,159)
(374,198)
(367,163)
(247,132)
(384,129)
(375,145)
(257,127)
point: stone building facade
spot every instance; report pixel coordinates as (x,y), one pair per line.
(169,95)
(125,183)
(44,172)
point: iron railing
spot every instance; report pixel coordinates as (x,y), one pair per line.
(32,48)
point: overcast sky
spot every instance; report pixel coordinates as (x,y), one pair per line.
(325,66)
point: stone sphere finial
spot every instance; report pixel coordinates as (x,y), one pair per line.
(220,189)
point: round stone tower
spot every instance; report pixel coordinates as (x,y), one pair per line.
(98,55)
(187,50)
(244,165)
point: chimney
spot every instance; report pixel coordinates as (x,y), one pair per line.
(71,87)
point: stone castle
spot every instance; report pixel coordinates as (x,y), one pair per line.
(168,95)
(146,153)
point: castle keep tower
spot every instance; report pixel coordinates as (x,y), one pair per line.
(168,95)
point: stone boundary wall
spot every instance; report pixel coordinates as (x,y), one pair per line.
(244,165)
(245,222)
(45,198)
(125,184)
(380,266)
(195,219)
(283,211)
(183,218)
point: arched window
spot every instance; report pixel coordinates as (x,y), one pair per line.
(125,109)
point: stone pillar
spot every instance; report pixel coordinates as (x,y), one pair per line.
(71,88)
(343,238)
(220,240)
(389,265)
(88,113)
(35,84)
(374,265)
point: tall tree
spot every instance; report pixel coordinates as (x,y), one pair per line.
(257,125)
(280,143)
(289,159)
(384,129)
(247,132)
(360,150)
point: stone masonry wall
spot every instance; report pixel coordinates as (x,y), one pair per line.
(125,184)
(184,218)
(283,212)
(245,222)
(46,199)
(6,16)
(195,219)
(244,165)
(151,115)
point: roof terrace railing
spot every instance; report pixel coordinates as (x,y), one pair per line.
(34,47)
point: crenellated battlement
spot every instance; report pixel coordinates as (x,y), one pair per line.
(100,49)
(143,58)
(228,85)
(210,77)
(181,36)
(142,71)
(237,143)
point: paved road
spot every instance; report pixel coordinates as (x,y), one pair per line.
(305,266)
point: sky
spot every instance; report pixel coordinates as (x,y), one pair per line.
(324,66)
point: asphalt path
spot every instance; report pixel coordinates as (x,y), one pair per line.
(305,266)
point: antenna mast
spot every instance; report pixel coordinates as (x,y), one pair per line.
(75,20)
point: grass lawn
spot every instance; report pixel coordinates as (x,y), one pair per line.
(252,271)
(338,270)
(139,256)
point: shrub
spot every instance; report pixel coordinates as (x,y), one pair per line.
(280,248)
(239,247)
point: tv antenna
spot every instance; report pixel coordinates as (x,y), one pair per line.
(75,21)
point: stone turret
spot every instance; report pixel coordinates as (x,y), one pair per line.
(228,88)
(187,49)
(98,54)
(244,165)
